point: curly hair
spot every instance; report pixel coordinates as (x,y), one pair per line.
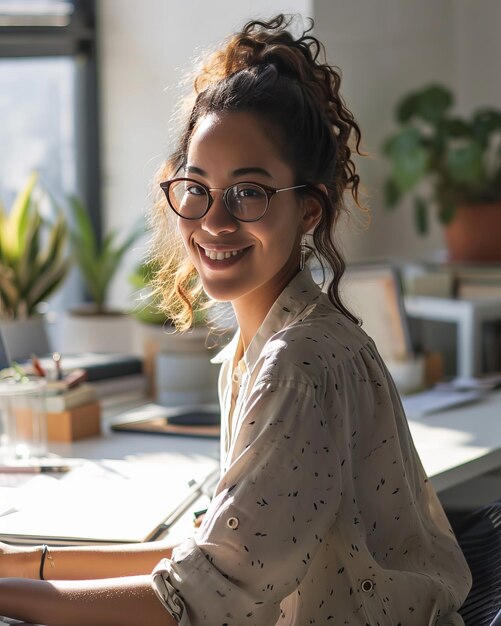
(265,71)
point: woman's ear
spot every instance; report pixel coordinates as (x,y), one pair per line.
(313,208)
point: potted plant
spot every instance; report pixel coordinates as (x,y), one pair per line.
(95,326)
(33,265)
(451,164)
(178,364)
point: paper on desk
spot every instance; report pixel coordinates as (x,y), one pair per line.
(437,399)
(116,501)
(15,498)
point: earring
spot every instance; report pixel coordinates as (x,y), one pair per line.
(302,258)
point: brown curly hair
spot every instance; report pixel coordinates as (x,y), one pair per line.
(265,71)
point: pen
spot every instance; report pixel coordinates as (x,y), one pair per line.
(33,469)
(56,357)
(196,489)
(37,366)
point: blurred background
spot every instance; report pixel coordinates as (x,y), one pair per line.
(88,88)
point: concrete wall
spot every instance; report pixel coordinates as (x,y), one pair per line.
(383,47)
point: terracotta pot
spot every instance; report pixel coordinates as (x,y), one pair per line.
(475,233)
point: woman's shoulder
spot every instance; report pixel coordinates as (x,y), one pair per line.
(318,342)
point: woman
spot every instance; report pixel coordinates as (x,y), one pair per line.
(323,513)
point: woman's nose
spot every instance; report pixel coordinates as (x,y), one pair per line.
(218,219)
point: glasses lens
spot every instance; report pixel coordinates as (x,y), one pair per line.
(188,198)
(247,201)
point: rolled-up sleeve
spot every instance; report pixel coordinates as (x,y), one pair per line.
(271,510)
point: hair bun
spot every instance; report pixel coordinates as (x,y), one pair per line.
(261,43)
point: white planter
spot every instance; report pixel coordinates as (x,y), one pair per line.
(182,379)
(96,333)
(179,365)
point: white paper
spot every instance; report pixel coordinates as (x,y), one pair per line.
(110,501)
(436,400)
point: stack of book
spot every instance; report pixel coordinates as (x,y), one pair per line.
(464,281)
(116,378)
(72,413)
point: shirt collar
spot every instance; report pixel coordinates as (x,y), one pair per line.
(301,292)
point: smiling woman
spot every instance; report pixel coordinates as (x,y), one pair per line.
(256,234)
(323,512)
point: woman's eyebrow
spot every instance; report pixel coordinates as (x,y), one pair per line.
(251,170)
(241,171)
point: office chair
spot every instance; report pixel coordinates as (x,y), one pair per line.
(479,536)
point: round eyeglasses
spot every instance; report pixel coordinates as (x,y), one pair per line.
(245,201)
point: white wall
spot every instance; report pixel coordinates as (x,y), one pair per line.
(386,48)
(383,47)
(145,48)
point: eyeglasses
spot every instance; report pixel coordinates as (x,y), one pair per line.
(245,201)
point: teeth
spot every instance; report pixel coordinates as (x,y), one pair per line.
(220,256)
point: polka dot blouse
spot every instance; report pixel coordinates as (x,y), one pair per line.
(323,513)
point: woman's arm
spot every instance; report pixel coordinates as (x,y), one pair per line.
(128,601)
(83,563)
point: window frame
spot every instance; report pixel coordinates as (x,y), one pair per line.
(78,39)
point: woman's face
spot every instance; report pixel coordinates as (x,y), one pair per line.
(226,149)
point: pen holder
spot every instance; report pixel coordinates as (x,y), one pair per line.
(23,432)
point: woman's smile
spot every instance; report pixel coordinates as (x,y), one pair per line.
(219,257)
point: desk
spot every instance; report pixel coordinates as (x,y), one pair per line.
(454,445)
(461,443)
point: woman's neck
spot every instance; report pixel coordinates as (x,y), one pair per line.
(252,308)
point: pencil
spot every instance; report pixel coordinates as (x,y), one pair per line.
(33,469)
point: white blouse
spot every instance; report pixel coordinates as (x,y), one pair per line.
(323,513)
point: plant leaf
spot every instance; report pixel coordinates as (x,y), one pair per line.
(82,232)
(429,104)
(391,193)
(46,284)
(421,215)
(15,225)
(465,163)
(485,123)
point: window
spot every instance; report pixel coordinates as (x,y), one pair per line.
(48,103)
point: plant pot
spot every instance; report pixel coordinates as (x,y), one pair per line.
(86,332)
(179,365)
(185,379)
(475,233)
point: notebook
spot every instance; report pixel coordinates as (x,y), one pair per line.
(187,421)
(108,502)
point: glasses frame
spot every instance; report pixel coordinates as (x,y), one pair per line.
(269,191)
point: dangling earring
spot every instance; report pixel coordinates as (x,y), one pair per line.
(302,258)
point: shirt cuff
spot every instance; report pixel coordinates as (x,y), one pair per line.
(196,593)
(168,594)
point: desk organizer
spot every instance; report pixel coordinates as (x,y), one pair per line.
(77,423)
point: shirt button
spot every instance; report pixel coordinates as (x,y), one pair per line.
(232,522)
(367,585)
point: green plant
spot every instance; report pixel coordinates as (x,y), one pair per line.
(33,263)
(146,307)
(454,160)
(98,262)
